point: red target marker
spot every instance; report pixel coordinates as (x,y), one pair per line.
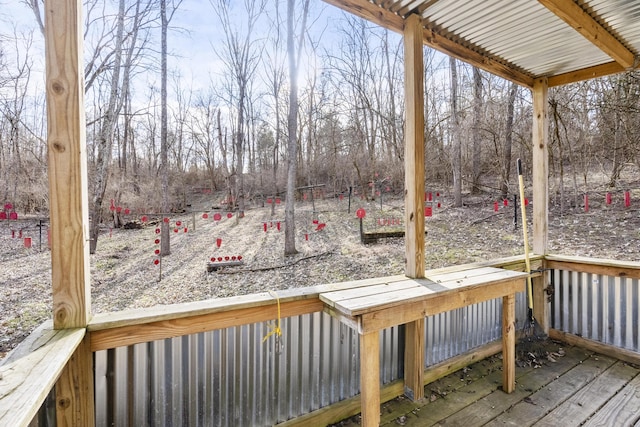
(175,230)
(219,258)
(166,220)
(526,202)
(505,202)
(361,213)
(157,231)
(156,261)
(157,252)
(306,236)
(341,197)
(277,201)
(127,211)
(213,259)
(608,198)
(586,203)
(3,215)
(495,207)
(157,241)
(205,216)
(264,226)
(226,258)
(428,211)
(178,223)
(627,199)
(8,206)
(13,216)
(218,242)
(186,230)
(269,201)
(229,215)
(233,258)
(239,257)
(278,225)
(112,208)
(217,217)
(119,209)
(144,218)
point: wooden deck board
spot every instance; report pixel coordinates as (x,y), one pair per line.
(581,387)
(581,405)
(621,410)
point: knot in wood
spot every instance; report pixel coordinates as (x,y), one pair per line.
(57,87)
(64,402)
(58,146)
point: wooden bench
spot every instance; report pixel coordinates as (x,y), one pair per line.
(396,301)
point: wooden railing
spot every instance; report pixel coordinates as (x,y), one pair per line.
(31,371)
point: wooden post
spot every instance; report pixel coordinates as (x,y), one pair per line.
(414,360)
(74,389)
(68,202)
(509,343)
(370,378)
(414,147)
(540,170)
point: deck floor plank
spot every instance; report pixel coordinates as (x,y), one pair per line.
(477,393)
(556,394)
(588,399)
(622,409)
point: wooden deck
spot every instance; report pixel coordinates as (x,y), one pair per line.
(573,387)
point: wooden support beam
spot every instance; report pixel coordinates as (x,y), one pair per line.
(586,74)
(575,16)
(395,22)
(540,168)
(414,360)
(66,140)
(414,147)
(370,378)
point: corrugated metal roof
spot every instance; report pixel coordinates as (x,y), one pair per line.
(530,37)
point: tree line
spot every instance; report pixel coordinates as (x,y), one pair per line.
(293,99)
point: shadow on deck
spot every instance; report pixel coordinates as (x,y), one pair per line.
(569,386)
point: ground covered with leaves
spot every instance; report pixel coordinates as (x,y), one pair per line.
(124,275)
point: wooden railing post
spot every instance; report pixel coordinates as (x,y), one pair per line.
(414,195)
(68,202)
(540,169)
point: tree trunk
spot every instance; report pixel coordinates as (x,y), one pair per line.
(104,140)
(456,155)
(508,141)
(477,115)
(165,245)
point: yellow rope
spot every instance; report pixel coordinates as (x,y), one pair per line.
(275,330)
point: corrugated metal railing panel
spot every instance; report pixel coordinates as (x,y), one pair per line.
(598,307)
(230,377)
(455,332)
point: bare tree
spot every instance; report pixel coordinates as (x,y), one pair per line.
(456,143)
(475,131)
(294,48)
(241,55)
(508,141)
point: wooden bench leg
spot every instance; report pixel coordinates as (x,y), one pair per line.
(370,378)
(414,360)
(509,343)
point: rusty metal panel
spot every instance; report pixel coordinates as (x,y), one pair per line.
(598,307)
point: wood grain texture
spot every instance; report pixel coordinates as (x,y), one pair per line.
(75,401)
(125,335)
(576,17)
(540,166)
(370,378)
(586,74)
(66,140)
(414,147)
(509,343)
(29,373)
(414,348)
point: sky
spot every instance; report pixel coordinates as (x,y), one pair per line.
(196,32)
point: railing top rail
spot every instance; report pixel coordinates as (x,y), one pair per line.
(30,371)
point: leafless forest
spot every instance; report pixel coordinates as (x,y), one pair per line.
(289,97)
(154,135)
